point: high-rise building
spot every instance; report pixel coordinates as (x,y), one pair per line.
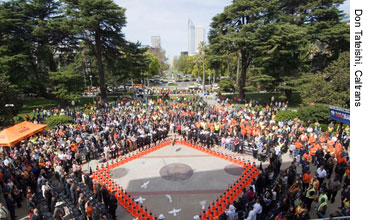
(196,34)
(191,37)
(199,36)
(155,42)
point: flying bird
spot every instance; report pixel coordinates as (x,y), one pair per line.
(203,204)
(169,197)
(174,211)
(144,186)
(140,200)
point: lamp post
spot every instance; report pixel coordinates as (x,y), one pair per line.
(10,108)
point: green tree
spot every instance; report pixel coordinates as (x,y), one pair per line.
(67,83)
(227,85)
(154,66)
(159,53)
(10,104)
(34,42)
(181,64)
(282,52)
(202,48)
(99,24)
(332,86)
(234,30)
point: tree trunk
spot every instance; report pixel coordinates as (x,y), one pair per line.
(214,77)
(228,71)
(288,93)
(242,79)
(203,73)
(100,68)
(238,66)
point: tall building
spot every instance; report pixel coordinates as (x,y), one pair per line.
(191,38)
(196,34)
(155,42)
(199,36)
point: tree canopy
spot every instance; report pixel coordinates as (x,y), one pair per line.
(279,44)
(50,47)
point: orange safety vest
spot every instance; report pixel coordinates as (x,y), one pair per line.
(298,145)
(330,149)
(306,178)
(315,184)
(299,210)
(307,157)
(313,150)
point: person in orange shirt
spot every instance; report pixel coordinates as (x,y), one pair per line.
(298,146)
(330,149)
(313,150)
(74,146)
(306,179)
(337,149)
(322,139)
(340,158)
(312,139)
(89,210)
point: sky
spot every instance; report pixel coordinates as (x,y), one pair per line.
(168,19)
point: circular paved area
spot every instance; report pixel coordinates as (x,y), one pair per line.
(233,170)
(118,173)
(176,172)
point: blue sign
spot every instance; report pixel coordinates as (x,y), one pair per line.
(340,114)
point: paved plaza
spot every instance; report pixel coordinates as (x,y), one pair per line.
(176,178)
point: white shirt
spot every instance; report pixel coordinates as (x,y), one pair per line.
(258,208)
(231,213)
(6,162)
(277,149)
(321,173)
(252,215)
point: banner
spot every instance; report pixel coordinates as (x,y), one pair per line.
(340,114)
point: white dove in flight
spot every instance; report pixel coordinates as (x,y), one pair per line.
(144,186)
(174,211)
(203,204)
(140,200)
(169,197)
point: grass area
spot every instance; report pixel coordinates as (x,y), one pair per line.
(156,97)
(191,83)
(32,103)
(264,98)
(172,84)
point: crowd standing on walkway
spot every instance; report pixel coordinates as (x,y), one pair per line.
(113,129)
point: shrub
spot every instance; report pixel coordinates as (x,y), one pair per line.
(314,113)
(286,115)
(58,120)
(227,85)
(87,111)
(324,127)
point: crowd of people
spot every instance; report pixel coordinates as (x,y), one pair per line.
(109,130)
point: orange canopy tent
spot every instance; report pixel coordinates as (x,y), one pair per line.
(12,135)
